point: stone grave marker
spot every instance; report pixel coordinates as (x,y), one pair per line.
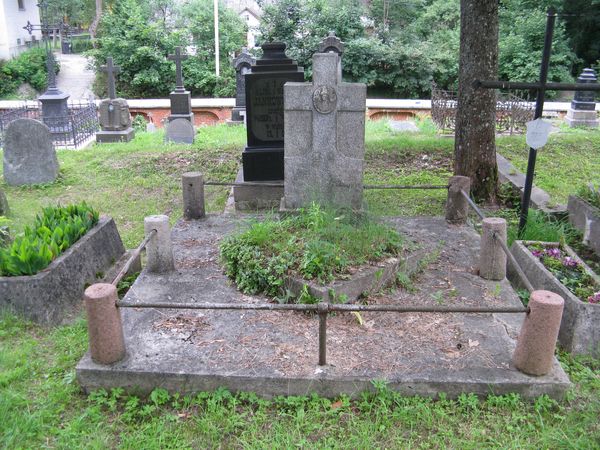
(29,154)
(242,65)
(115,119)
(582,112)
(324,138)
(181,106)
(180,130)
(262,158)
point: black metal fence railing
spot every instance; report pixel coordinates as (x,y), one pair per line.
(72,130)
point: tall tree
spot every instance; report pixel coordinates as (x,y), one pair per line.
(475,146)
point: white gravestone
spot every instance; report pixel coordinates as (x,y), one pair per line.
(324,138)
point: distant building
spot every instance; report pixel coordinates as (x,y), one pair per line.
(249,12)
(14,15)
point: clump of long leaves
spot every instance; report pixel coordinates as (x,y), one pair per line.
(52,232)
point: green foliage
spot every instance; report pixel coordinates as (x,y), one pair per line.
(139,123)
(316,243)
(590,194)
(540,227)
(28,67)
(4,231)
(53,232)
(140,38)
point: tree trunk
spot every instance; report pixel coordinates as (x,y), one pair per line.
(475,146)
(94,25)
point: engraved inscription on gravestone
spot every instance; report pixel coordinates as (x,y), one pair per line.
(267,109)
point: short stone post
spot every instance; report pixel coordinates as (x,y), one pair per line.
(159,251)
(492,259)
(192,184)
(457,208)
(105,330)
(537,340)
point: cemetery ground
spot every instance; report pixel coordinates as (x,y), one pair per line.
(42,406)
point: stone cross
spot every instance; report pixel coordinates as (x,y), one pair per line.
(331,44)
(111,70)
(324,138)
(178,57)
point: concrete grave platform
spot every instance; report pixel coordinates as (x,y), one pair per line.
(276,353)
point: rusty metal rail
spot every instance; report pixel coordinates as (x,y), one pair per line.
(323,309)
(135,255)
(500,241)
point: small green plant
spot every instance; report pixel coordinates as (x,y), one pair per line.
(139,123)
(590,194)
(53,232)
(541,227)
(438,296)
(4,231)
(317,244)
(124,285)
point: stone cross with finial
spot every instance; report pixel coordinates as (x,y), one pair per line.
(111,70)
(178,57)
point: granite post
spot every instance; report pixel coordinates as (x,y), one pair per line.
(192,184)
(492,259)
(242,65)
(582,112)
(115,119)
(457,207)
(324,138)
(181,107)
(159,250)
(536,343)
(105,330)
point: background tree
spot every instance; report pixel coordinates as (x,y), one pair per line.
(474,146)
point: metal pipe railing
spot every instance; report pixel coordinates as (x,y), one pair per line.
(135,255)
(366,186)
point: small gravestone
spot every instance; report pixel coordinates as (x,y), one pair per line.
(242,65)
(29,155)
(181,106)
(324,138)
(262,159)
(180,131)
(582,112)
(403,126)
(115,119)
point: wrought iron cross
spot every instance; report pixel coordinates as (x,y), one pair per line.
(45,27)
(111,70)
(178,57)
(540,87)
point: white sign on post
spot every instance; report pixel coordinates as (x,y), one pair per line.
(537,133)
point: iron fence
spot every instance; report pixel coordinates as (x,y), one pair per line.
(512,111)
(72,130)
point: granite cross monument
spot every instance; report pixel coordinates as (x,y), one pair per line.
(582,112)
(324,138)
(181,107)
(115,119)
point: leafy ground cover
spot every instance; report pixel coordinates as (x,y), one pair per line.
(317,243)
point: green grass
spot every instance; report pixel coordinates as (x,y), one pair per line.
(569,160)
(41,407)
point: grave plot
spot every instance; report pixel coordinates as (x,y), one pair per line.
(276,353)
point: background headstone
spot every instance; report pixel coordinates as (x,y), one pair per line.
(29,155)
(262,159)
(242,65)
(181,131)
(181,106)
(115,119)
(324,138)
(582,112)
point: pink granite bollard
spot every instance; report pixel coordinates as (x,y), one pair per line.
(192,184)
(539,332)
(105,330)
(492,259)
(457,208)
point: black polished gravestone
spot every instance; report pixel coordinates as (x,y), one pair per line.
(262,159)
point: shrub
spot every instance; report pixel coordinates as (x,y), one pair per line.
(28,67)
(590,194)
(52,232)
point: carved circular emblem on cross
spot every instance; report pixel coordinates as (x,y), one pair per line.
(324,99)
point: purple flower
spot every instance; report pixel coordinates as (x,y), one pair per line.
(570,262)
(594,298)
(537,253)
(553,252)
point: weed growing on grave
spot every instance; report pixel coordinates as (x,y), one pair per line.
(540,227)
(52,232)
(317,244)
(590,194)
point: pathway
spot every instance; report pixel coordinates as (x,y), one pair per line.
(74,77)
